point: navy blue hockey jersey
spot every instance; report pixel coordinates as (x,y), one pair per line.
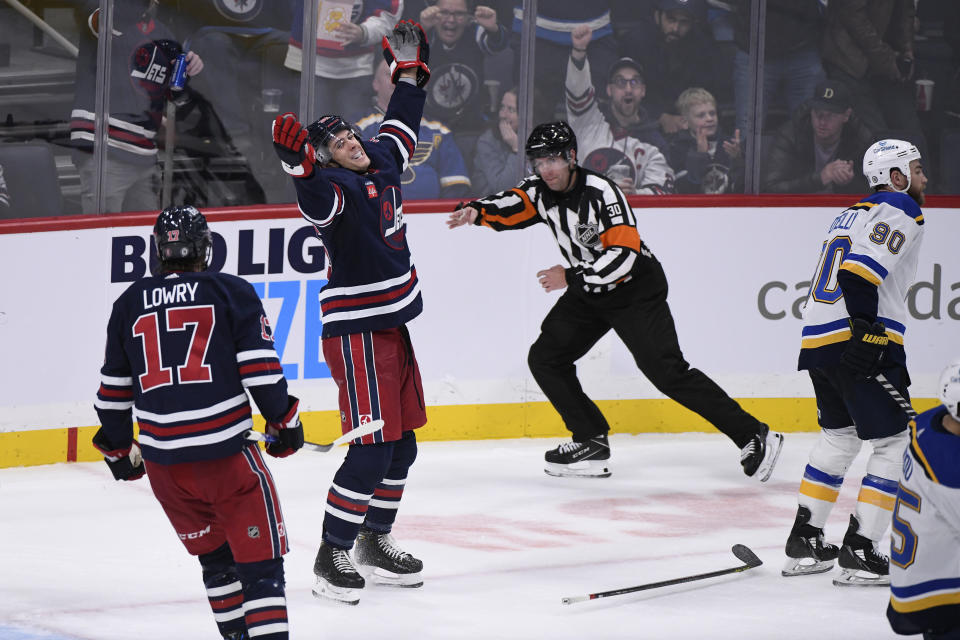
(182,350)
(373,282)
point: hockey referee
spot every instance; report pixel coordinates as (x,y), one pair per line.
(613,282)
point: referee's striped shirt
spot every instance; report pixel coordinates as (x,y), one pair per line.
(593,224)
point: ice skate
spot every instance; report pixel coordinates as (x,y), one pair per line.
(759,456)
(381,561)
(237,635)
(861,562)
(806,551)
(590,459)
(337,578)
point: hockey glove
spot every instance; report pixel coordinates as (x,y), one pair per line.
(292,146)
(865,348)
(406,48)
(288,432)
(125,463)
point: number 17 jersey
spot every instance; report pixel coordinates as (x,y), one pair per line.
(878,240)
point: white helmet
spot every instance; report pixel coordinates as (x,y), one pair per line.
(948,389)
(884,155)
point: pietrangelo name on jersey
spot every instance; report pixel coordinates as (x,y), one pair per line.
(172,293)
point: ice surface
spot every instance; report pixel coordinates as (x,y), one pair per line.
(84,557)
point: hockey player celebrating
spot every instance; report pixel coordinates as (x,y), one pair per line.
(616,283)
(925,554)
(184,347)
(854,325)
(350,190)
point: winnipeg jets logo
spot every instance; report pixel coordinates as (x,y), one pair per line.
(239,10)
(588,234)
(454,85)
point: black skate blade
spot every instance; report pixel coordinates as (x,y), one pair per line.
(746,556)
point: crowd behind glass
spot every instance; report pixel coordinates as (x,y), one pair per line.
(660,93)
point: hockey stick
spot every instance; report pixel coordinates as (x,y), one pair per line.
(743,553)
(358,432)
(897,397)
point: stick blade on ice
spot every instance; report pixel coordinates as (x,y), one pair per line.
(745,555)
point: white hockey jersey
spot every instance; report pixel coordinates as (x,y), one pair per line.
(877,239)
(600,150)
(925,547)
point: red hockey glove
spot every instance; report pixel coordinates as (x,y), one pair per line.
(125,463)
(407,48)
(292,145)
(288,432)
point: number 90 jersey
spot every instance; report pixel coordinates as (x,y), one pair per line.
(877,240)
(182,350)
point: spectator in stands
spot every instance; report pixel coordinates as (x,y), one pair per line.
(346,41)
(247,63)
(499,164)
(456,94)
(705,161)
(636,166)
(144,52)
(869,47)
(555,23)
(677,52)
(436,169)
(819,150)
(5,195)
(791,56)
(625,91)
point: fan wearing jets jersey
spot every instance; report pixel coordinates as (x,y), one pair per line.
(349,189)
(184,347)
(854,326)
(613,281)
(925,553)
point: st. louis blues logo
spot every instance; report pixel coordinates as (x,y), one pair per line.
(239,10)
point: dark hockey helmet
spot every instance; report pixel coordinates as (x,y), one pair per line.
(551,139)
(182,235)
(323,130)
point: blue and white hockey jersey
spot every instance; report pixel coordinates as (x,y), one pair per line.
(925,546)
(182,350)
(373,282)
(877,241)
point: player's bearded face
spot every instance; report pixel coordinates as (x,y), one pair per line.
(348,152)
(918,182)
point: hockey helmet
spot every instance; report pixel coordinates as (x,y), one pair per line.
(884,155)
(948,389)
(551,139)
(181,233)
(323,130)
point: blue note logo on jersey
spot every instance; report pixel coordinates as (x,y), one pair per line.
(239,10)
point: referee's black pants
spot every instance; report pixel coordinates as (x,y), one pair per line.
(638,312)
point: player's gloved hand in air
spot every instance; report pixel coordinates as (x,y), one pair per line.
(125,463)
(288,432)
(406,47)
(866,347)
(292,144)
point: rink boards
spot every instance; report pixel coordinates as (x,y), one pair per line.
(737,277)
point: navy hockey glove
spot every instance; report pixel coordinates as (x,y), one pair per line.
(290,141)
(288,432)
(125,463)
(865,348)
(406,47)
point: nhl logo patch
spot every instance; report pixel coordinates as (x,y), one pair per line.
(588,234)
(253,532)
(371,189)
